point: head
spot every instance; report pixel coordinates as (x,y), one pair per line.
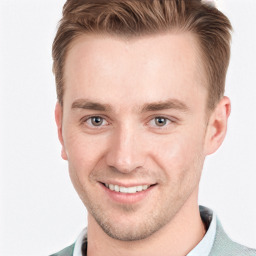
(140,89)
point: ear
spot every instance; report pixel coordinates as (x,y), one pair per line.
(58,120)
(217,126)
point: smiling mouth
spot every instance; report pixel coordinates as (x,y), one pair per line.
(127,190)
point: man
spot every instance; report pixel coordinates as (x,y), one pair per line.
(141,103)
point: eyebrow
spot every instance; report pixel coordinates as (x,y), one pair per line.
(154,106)
(86,104)
(162,105)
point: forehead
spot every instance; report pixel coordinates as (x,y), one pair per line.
(156,67)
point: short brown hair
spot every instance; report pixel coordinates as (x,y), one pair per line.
(134,18)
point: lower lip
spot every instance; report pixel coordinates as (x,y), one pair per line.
(127,198)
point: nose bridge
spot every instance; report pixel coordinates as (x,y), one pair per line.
(125,153)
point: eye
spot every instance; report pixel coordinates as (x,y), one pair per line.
(159,121)
(96,121)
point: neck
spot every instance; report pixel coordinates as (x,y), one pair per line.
(177,238)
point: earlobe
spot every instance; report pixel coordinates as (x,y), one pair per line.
(58,120)
(217,126)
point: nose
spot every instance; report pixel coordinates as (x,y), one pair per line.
(125,152)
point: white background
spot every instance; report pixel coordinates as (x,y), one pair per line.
(40,212)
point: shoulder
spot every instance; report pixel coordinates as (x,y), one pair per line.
(68,251)
(224,246)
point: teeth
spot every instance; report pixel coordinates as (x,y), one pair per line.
(144,187)
(129,190)
(139,188)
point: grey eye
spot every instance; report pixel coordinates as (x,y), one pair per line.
(160,121)
(96,120)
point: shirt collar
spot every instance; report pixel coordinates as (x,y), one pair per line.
(205,245)
(79,243)
(202,249)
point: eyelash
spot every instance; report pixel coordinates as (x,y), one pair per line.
(168,121)
(165,126)
(84,120)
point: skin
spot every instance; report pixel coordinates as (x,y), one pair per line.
(150,96)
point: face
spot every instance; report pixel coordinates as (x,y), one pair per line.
(133,129)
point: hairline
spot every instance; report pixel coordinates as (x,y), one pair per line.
(204,77)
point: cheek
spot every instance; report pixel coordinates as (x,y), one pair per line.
(178,154)
(83,151)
